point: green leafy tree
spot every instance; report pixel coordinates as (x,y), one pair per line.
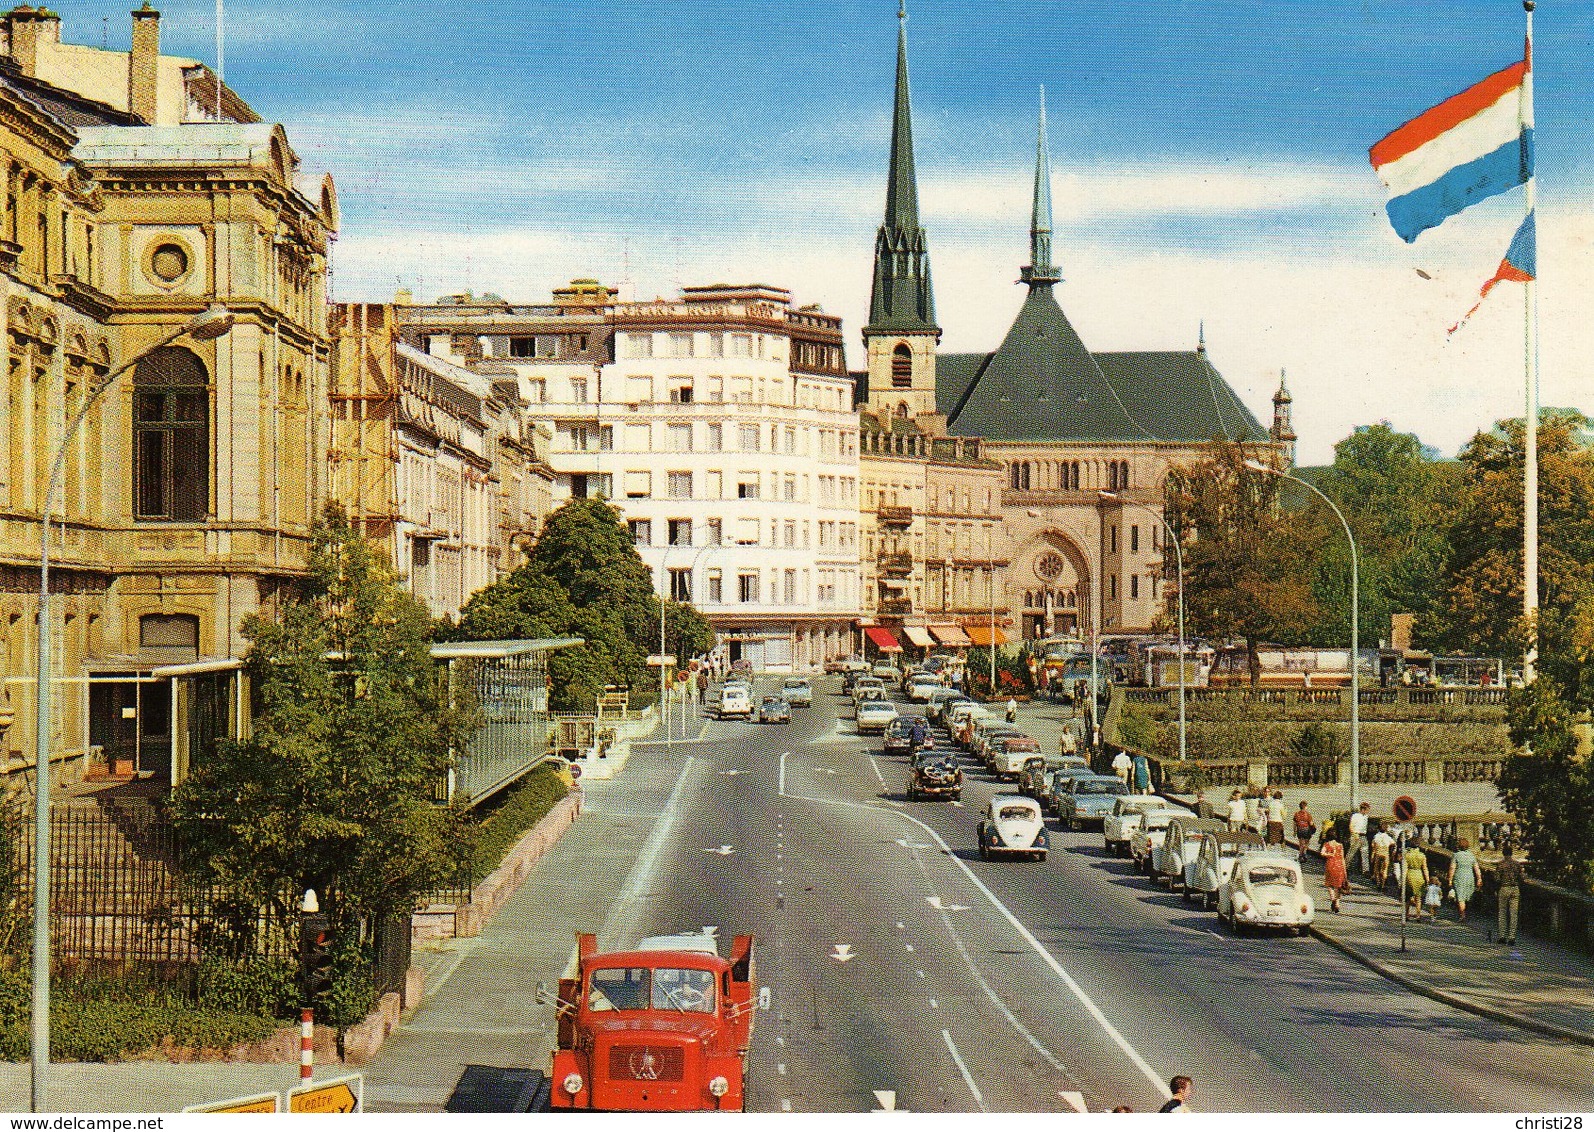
(1550,787)
(1244,557)
(583,578)
(353,731)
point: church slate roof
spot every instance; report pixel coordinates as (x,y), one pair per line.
(1043,384)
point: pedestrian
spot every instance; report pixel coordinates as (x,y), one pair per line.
(1236,812)
(1255,814)
(1466,877)
(1416,872)
(702,686)
(1203,807)
(1275,817)
(1356,851)
(1509,875)
(1180,1100)
(1432,897)
(1012,710)
(1142,769)
(1305,826)
(1122,764)
(1383,846)
(1335,878)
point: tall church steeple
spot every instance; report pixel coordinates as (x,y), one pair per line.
(1041,272)
(1283,431)
(902,333)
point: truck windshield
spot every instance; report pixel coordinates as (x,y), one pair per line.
(642,988)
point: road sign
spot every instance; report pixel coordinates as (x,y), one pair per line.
(683,675)
(335,1094)
(1405,807)
(575,770)
(661,661)
(259,1102)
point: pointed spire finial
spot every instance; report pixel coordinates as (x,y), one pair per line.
(902,297)
(1041,272)
(1201,337)
(1284,387)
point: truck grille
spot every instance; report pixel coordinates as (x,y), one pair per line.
(646,1063)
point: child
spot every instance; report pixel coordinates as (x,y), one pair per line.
(1431,897)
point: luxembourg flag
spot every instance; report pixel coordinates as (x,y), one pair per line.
(1520,265)
(1471,146)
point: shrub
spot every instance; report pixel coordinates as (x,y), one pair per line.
(260,986)
(1316,741)
(523,807)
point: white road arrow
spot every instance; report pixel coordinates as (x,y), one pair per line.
(887,1099)
(731,771)
(723,851)
(935,902)
(842,953)
(711,930)
(906,844)
(1075,1101)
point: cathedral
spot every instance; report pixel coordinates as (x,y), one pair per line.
(1077,443)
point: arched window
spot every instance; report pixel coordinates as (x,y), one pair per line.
(171,438)
(902,411)
(902,367)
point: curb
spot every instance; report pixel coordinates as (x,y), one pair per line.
(1521,1021)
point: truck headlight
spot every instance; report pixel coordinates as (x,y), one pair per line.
(719,1086)
(573,1083)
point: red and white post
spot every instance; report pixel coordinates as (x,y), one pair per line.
(306,1043)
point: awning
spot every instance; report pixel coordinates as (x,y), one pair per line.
(952,635)
(883,639)
(981,635)
(917,636)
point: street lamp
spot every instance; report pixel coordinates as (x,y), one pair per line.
(1355,631)
(204,327)
(1178,558)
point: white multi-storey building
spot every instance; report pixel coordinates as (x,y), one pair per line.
(722,425)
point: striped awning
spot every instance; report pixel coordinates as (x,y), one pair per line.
(951,635)
(883,639)
(981,635)
(917,636)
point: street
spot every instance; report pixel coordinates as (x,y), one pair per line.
(901,963)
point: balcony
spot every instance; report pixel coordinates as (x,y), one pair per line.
(895,565)
(895,516)
(895,606)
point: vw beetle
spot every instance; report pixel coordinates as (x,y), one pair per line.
(1013,825)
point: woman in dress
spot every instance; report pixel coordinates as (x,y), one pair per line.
(1335,878)
(1466,876)
(1416,880)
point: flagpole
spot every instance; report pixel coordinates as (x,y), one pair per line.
(1530,455)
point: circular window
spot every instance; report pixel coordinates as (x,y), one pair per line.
(1049,566)
(168,263)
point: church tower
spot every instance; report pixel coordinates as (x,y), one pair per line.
(1041,272)
(901,336)
(1283,430)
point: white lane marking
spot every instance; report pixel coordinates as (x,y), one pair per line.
(957,1059)
(785,1105)
(886,1099)
(782,776)
(906,844)
(910,947)
(1075,1101)
(921,974)
(935,902)
(901,927)
(723,851)
(876,768)
(780,1041)
(781,1069)
(934,1005)
(842,953)
(1050,960)
(628,906)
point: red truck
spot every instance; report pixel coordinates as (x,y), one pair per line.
(661,1028)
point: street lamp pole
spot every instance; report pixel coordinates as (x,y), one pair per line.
(1178,558)
(1355,631)
(993,629)
(211,324)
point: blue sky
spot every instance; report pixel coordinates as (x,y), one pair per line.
(1209,162)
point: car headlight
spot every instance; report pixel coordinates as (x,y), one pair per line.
(1242,905)
(719,1086)
(573,1083)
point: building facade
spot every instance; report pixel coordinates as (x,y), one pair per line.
(188,496)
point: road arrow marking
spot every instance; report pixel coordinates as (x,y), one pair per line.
(935,902)
(842,953)
(1075,1101)
(711,930)
(733,770)
(723,851)
(906,844)
(887,1100)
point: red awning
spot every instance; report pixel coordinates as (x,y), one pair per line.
(951,635)
(981,635)
(883,639)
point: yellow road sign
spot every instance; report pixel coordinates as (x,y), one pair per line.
(336,1094)
(259,1102)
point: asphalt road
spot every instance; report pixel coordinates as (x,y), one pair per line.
(1011,985)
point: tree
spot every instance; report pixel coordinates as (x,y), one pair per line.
(333,790)
(1550,788)
(1244,557)
(583,578)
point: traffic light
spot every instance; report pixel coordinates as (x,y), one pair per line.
(315,956)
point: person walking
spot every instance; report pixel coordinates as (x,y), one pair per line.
(1122,764)
(1274,808)
(1180,1100)
(1509,875)
(1383,846)
(1356,851)
(1335,877)
(1012,710)
(1416,870)
(1236,812)
(1305,826)
(1466,877)
(1203,807)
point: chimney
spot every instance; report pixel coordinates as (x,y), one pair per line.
(143,64)
(25,31)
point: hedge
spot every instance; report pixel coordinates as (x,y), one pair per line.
(524,806)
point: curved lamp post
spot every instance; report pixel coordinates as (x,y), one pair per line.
(1178,558)
(210,324)
(1355,631)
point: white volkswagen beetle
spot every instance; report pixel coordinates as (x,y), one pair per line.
(1214,862)
(1265,890)
(1013,824)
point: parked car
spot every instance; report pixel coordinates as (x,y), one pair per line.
(1032,775)
(935,774)
(797,691)
(735,702)
(869,695)
(983,731)
(1088,798)
(1005,754)
(1265,890)
(1117,825)
(886,671)
(943,698)
(1057,784)
(1215,860)
(774,710)
(1179,848)
(867,683)
(874,716)
(899,734)
(835,665)
(1013,824)
(964,718)
(1147,834)
(922,686)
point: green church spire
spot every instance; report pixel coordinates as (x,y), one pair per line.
(1041,272)
(902,297)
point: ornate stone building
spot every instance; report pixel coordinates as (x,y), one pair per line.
(188,495)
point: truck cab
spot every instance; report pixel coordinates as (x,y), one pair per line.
(661,1028)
